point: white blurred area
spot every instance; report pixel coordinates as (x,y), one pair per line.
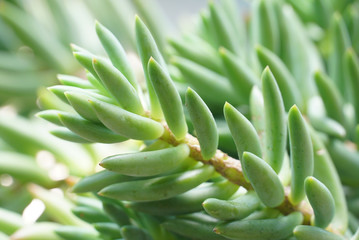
(33,211)
(184,13)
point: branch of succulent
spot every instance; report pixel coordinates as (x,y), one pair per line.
(167,169)
(247,132)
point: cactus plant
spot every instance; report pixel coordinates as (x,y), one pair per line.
(246,129)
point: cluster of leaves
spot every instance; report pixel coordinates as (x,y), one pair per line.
(291,125)
(35,39)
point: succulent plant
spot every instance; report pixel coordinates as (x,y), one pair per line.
(247,132)
(36,37)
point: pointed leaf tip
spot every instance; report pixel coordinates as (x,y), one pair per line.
(222,51)
(72,45)
(189,90)
(152,62)
(227,105)
(76,48)
(294,108)
(138,20)
(97,24)
(317,74)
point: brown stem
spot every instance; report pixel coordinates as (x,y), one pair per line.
(231,169)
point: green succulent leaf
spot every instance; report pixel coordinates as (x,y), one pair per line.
(74,232)
(85,59)
(126,123)
(116,53)
(10,221)
(239,74)
(263,179)
(203,123)
(90,131)
(41,230)
(147,163)
(99,180)
(301,151)
(243,132)
(325,171)
(108,229)
(158,188)
(340,42)
(222,26)
(277,228)
(134,233)
(263,26)
(24,168)
(117,84)
(331,97)
(147,48)
(321,201)
(235,209)
(352,67)
(192,228)
(283,77)
(309,232)
(197,50)
(188,202)
(73,81)
(90,214)
(169,99)
(208,84)
(275,121)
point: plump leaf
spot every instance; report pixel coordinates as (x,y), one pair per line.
(352,67)
(158,188)
(331,97)
(235,209)
(222,26)
(301,153)
(263,179)
(169,98)
(126,123)
(116,53)
(68,135)
(147,163)
(243,132)
(265,229)
(275,121)
(187,202)
(303,232)
(321,201)
(147,48)
(203,123)
(241,76)
(285,80)
(118,85)
(90,131)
